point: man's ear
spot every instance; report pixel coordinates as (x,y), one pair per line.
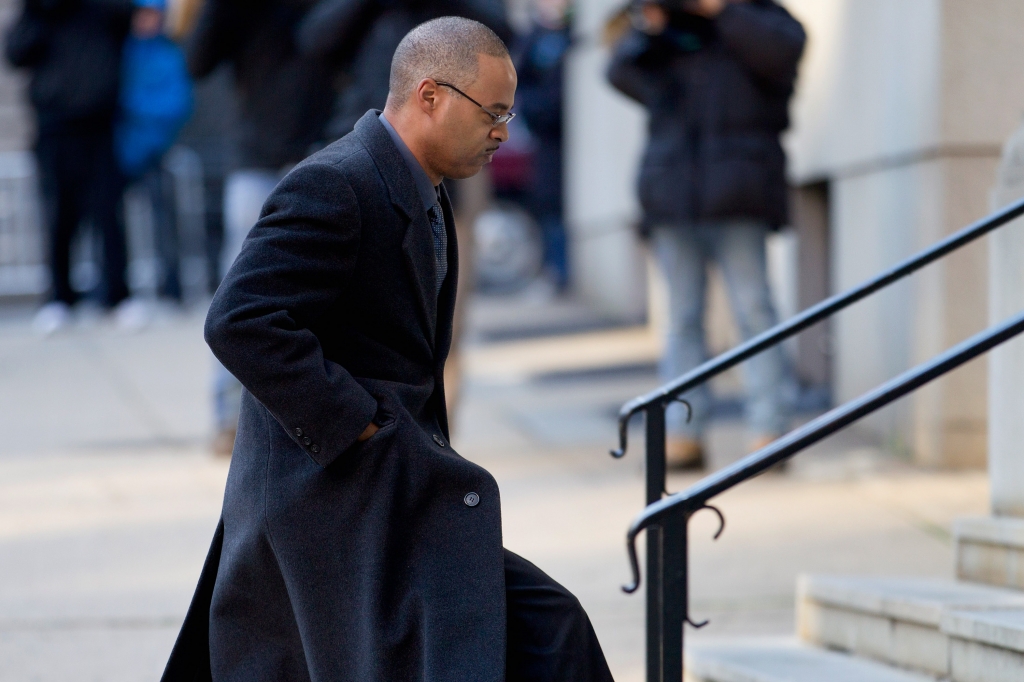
(426,95)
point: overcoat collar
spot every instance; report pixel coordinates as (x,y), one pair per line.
(418,243)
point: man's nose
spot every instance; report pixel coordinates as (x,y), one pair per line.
(500,133)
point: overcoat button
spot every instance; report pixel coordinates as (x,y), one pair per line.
(307,440)
(298,433)
(314,448)
(471,499)
(439,441)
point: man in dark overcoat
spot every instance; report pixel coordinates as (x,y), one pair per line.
(355,544)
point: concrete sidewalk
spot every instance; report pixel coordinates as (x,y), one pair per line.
(108,499)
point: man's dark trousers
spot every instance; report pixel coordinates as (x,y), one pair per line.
(80,182)
(337,559)
(549,634)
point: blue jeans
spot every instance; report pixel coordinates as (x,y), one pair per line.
(738,248)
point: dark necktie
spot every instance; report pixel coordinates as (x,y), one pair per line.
(440,244)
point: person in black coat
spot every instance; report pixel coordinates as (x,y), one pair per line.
(716,77)
(73,49)
(355,544)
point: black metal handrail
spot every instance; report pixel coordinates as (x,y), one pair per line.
(671,515)
(666,546)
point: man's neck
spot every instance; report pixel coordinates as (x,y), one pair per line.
(406,130)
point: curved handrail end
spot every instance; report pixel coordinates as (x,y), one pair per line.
(634,563)
(625,414)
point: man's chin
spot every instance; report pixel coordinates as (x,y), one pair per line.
(468,171)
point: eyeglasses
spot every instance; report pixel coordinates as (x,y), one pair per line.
(496,119)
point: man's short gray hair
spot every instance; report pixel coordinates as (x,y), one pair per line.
(445,49)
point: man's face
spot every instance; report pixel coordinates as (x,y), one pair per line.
(464,137)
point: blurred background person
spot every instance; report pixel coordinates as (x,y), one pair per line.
(540,63)
(73,49)
(156,101)
(212,133)
(284,100)
(716,77)
(284,97)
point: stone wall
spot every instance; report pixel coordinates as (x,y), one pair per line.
(902,109)
(605,133)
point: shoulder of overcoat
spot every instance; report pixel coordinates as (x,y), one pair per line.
(370,142)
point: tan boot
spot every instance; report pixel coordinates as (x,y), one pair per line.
(684,453)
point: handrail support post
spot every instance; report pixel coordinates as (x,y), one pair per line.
(675,607)
(654,424)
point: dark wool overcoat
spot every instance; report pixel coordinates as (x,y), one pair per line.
(339,560)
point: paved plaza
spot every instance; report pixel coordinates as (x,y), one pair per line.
(109,496)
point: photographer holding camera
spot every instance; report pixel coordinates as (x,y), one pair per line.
(716,77)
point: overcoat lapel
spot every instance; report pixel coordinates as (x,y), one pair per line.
(446,297)
(418,242)
(446,310)
(418,248)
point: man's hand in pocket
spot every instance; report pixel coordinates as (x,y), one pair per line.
(370,429)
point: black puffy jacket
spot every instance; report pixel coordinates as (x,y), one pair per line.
(717,92)
(73,48)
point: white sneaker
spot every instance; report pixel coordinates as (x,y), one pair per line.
(51,318)
(131,315)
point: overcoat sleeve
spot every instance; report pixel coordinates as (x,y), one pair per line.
(294,266)
(765,37)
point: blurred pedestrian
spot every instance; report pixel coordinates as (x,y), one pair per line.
(73,49)
(284,97)
(212,133)
(284,100)
(156,101)
(715,77)
(540,63)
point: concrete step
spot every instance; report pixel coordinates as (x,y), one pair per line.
(784,660)
(985,646)
(990,549)
(894,620)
